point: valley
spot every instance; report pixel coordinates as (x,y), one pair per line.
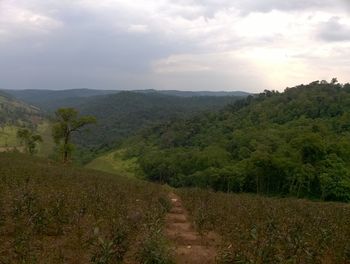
(174,132)
(168,179)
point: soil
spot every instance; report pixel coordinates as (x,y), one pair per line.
(188,246)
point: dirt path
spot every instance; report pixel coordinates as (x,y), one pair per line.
(188,245)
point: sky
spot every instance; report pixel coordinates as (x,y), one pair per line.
(246,45)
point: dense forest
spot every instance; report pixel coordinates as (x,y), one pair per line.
(294,143)
(123,114)
(50,100)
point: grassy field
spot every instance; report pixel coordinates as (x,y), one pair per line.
(8,136)
(51,213)
(9,141)
(257,229)
(113,162)
(46,147)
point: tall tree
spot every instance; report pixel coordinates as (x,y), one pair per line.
(29,139)
(67,122)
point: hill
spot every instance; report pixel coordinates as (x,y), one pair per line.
(13,115)
(291,143)
(50,100)
(122,115)
(50,213)
(196,93)
(256,229)
(13,111)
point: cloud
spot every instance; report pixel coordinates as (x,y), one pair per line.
(138,29)
(249,6)
(16,22)
(187,44)
(269,5)
(346,3)
(207,71)
(334,30)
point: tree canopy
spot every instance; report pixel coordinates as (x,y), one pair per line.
(292,143)
(29,140)
(67,121)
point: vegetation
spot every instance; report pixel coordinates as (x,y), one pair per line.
(46,148)
(122,115)
(265,230)
(114,162)
(14,117)
(294,143)
(17,113)
(29,140)
(50,100)
(8,136)
(9,140)
(55,214)
(67,122)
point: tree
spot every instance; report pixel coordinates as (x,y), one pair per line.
(67,122)
(29,139)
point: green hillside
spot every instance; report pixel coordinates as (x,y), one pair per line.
(15,112)
(14,115)
(50,100)
(292,143)
(122,115)
(114,162)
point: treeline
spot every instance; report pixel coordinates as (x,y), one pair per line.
(295,143)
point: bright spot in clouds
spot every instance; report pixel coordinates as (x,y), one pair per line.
(172,44)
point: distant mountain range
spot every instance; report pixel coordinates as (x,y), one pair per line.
(196,93)
(52,99)
(121,114)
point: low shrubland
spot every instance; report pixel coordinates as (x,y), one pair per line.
(257,229)
(51,213)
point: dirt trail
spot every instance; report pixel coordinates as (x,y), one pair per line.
(188,245)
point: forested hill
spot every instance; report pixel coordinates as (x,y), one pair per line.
(123,114)
(292,143)
(50,100)
(14,112)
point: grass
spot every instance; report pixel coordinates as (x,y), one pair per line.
(113,162)
(8,136)
(45,148)
(51,213)
(257,229)
(9,140)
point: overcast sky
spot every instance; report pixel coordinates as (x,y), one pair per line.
(248,45)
